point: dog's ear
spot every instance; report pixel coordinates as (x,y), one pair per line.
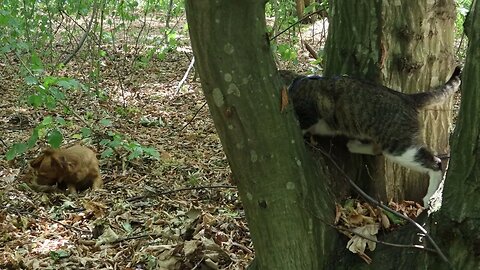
(36,162)
(58,162)
(61,162)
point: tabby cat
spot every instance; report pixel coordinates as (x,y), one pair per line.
(375,118)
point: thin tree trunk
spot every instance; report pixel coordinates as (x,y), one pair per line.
(283,196)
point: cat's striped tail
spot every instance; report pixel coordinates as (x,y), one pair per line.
(439,94)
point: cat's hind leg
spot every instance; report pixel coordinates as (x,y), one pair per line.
(367,148)
(420,159)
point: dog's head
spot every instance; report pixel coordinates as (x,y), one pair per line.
(50,167)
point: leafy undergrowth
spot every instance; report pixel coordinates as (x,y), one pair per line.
(178,212)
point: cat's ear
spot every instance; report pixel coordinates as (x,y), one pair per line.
(457,72)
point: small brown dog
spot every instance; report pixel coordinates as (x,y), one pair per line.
(74,168)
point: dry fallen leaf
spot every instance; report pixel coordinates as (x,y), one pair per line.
(357,244)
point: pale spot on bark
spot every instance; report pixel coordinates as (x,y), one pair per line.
(292,141)
(227,77)
(233,89)
(218,97)
(290,186)
(299,163)
(228,48)
(249,196)
(253,156)
(239,145)
(245,80)
(230,127)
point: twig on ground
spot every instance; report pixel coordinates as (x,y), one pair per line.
(175,191)
(381,242)
(182,81)
(384,207)
(190,121)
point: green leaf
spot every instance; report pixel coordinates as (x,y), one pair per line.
(55,138)
(56,93)
(86,132)
(33,138)
(59,254)
(30,80)
(152,152)
(35,63)
(137,152)
(395,219)
(15,150)
(106,122)
(35,100)
(60,120)
(127,227)
(107,153)
(105,142)
(47,120)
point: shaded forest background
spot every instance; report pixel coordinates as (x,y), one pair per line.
(119,76)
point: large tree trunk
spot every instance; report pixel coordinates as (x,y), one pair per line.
(460,214)
(408,47)
(283,195)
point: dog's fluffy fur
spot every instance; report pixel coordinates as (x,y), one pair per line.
(74,168)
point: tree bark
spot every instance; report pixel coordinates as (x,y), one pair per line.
(460,214)
(408,47)
(284,196)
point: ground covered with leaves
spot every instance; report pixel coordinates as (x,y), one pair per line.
(176,211)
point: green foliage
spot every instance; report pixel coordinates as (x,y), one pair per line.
(287,53)
(117,142)
(37,34)
(463,7)
(49,129)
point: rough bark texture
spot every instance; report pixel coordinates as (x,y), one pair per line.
(284,197)
(408,47)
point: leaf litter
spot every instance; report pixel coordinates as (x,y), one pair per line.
(192,229)
(361,222)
